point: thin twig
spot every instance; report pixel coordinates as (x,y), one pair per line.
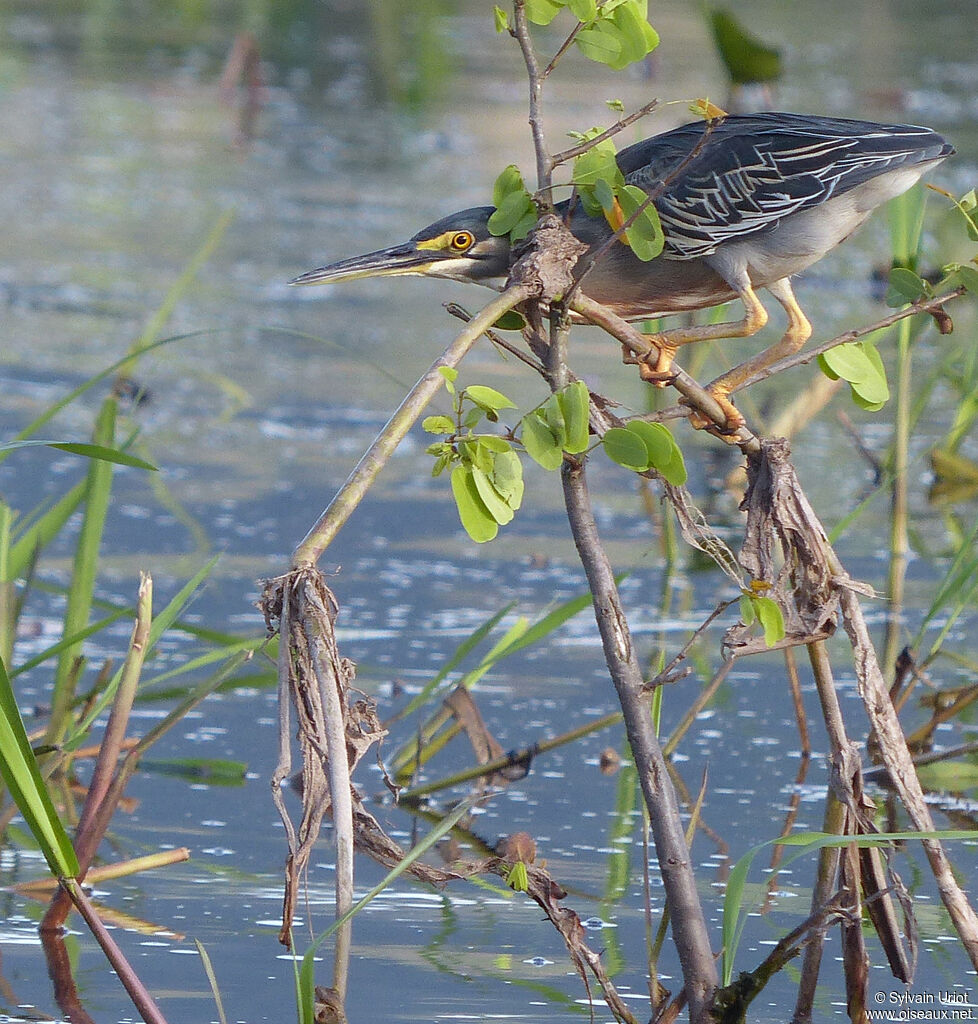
(521,31)
(521,756)
(808,354)
(561,50)
(350,495)
(619,126)
(461,313)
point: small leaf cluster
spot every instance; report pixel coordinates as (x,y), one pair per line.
(956,275)
(861,366)
(515,212)
(641,446)
(559,425)
(616,32)
(487,475)
(906,286)
(517,878)
(603,192)
(755,607)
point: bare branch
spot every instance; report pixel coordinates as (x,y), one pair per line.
(808,354)
(620,125)
(521,31)
(562,49)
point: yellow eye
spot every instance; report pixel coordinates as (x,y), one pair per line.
(461,241)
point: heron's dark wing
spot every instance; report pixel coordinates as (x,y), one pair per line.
(745,174)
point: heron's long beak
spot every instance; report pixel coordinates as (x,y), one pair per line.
(405,258)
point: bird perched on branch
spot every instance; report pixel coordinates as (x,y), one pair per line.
(745,203)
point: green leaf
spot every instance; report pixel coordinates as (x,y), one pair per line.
(604,192)
(554,415)
(746,57)
(770,617)
(90,451)
(509,181)
(645,235)
(21,776)
(438,425)
(473,451)
(500,18)
(864,403)
(488,398)
(967,206)
(747,614)
(494,443)
(510,212)
(542,12)
(964,274)
(600,42)
(663,452)
(476,519)
(629,22)
(905,286)
(626,448)
(474,417)
(507,478)
(517,878)
(597,164)
(539,441)
(451,375)
(583,10)
(872,389)
(511,321)
(860,364)
(848,361)
(575,404)
(497,507)
(525,224)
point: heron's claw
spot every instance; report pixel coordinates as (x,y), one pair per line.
(734,420)
(656,366)
(658,378)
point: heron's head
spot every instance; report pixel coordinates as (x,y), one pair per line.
(459,247)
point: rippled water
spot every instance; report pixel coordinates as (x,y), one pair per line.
(117,158)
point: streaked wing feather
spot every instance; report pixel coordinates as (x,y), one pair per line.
(751,172)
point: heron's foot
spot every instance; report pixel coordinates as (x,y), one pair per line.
(734,419)
(657,371)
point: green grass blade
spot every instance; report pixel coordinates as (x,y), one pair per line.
(441,829)
(211,980)
(161,623)
(176,291)
(53,410)
(9,611)
(23,780)
(735,913)
(548,624)
(69,641)
(44,529)
(98,487)
(85,449)
(461,653)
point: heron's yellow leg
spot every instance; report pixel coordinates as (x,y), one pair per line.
(798,331)
(658,373)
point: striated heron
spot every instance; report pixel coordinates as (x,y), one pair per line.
(744,204)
